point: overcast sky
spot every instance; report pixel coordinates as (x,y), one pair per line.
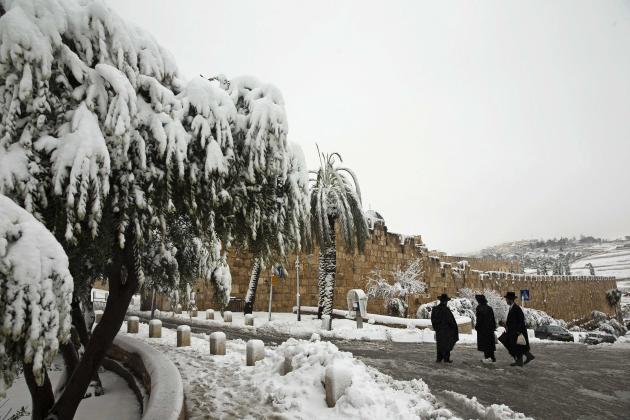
(470,123)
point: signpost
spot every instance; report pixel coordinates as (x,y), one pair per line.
(297,278)
(277,273)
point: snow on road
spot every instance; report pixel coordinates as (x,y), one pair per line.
(224,387)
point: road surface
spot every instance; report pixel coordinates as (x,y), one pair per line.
(566,381)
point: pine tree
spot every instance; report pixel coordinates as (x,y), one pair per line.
(103,143)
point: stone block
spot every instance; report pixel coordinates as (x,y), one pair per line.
(98,314)
(178,309)
(210,314)
(155,328)
(336,380)
(249,320)
(254,351)
(183,336)
(217,343)
(193,313)
(227,316)
(133,323)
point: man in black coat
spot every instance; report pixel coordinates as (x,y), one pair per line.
(515,327)
(485,326)
(445,327)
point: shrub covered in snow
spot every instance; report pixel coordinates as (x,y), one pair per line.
(459,306)
(535,318)
(602,322)
(35,294)
(405,282)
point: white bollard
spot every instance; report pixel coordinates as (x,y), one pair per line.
(255,351)
(210,314)
(178,309)
(326,322)
(183,336)
(98,314)
(155,328)
(249,320)
(336,380)
(227,316)
(193,313)
(217,343)
(132,324)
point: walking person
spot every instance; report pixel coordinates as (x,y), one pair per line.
(485,326)
(515,337)
(445,327)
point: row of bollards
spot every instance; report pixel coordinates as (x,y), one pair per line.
(254,350)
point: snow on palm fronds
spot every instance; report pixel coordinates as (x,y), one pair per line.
(404,282)
(335,199)
(35,293)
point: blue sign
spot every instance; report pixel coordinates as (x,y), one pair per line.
(524,295)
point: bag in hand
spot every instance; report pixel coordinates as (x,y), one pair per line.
(520,340)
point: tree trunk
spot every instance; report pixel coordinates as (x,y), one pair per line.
(123,283)
(42,397)
(250,298)
(153,303)
(321,284)
(328,266)
(78,321)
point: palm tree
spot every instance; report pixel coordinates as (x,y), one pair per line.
(335,200)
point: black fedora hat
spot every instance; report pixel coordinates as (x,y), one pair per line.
(444,297)
(481,298)
(510,295)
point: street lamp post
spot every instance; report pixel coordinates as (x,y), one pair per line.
(297,277)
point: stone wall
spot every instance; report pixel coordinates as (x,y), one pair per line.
(565,297)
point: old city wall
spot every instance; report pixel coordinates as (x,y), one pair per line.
(566,297)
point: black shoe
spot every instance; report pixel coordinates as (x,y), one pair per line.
(448,361)
(529,357)
(438,361)
(518,362)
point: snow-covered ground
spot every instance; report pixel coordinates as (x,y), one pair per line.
(119,402)
(614,263)
(345,329)
(224,387)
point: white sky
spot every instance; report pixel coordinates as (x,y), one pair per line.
(470,123)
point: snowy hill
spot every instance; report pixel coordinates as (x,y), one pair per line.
(564,255)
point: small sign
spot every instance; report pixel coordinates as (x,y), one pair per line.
(525,295)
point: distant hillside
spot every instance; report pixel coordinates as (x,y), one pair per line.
(558,256)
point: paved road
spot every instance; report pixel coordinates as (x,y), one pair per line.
(564,382)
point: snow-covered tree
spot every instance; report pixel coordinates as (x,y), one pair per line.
(495,301)
(290,229)
(335,202)
(394,292)
(102,142)
(35,296)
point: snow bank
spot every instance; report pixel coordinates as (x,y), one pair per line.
(471,408)
(166,399)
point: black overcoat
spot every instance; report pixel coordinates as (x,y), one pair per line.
(485,326)
(515,325)
(445,327)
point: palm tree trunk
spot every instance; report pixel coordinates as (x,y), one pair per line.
(328,266)
(250,297)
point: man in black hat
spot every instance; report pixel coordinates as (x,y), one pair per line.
(515,337)
(485,325)
(445,327)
